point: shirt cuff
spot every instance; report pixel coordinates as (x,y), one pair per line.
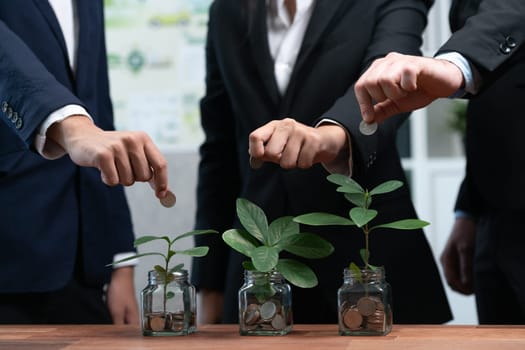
(342,164)
(120,256)
(48,148)
(470,73)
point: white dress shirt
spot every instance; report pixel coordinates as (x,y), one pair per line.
(285,37)
(65,11)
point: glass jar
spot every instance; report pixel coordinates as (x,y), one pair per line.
(265,304)
(364,303)
(168,308)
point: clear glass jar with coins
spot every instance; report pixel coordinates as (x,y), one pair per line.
(364,303)
(265,304)
(168,307)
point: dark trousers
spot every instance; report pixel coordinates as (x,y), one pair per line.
(499,268)
(73,304)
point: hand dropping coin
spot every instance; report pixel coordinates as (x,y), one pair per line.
(169,200)
(367,128)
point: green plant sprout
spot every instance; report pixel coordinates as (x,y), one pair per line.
(165,271)
(361,215)
(263,243)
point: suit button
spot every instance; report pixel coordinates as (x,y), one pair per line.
(14,117)
(510,42)
(507,46)
(19,123)
(9,112)
(4,106)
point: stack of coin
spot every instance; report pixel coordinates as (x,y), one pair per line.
(367,314)
(156,322)
(172,321)
(269,315)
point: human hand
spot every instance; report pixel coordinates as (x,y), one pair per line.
(122,157)
(121,299)
(457,257)
(210,306)
(400,83)
(294,145)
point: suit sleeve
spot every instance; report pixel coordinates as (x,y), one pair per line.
(491,37)
(398,28)
(28,93)
(218,173)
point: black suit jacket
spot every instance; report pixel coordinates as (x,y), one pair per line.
(490,34)
(342,39)
(55,214)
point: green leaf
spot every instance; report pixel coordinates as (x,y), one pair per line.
(346,184)
(248,265)
(362,216)
(357,271)
(176,268)
(309,245)
(170,254)
(146,239)
(386,187)
(241,241)
(170,295)
(196,251)
(252,219)
(322,219)
(407,224)
(193,233)
(358,199)
(297,273)
(265,258)
(135,257)
(159,269)
(281,227)
(365,255)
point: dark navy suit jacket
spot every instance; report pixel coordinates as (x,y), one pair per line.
(55,215)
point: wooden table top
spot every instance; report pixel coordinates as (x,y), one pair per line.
(226,337)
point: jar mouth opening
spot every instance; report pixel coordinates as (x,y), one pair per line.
(378,272)
(177,275)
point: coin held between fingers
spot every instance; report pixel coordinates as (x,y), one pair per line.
(256,163)
(168,200)
(367,128)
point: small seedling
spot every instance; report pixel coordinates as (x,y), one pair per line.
(361,215)
(165,270)
(263,244)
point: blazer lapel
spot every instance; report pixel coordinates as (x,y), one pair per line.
(261,51)
(323,12)
(51,19)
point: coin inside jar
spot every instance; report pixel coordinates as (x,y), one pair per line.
(367,128)
(278,322)
(267,310)
(366,306)
(352,319)
(157,323)
(169,200)
(251,314)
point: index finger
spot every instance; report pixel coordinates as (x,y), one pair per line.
(364,100)
(159,166)
(258,138)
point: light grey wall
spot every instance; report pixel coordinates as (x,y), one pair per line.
(151,218)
